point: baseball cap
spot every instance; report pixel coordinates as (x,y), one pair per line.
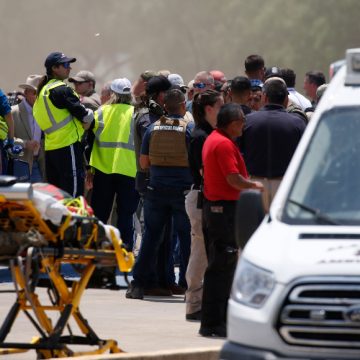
(56,58)
(272,71)
(148,74)
(121,86)
(157,84)
(83,76)
(176,79)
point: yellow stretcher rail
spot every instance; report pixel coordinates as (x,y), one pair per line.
(18,214)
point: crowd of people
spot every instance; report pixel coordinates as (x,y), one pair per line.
(168,156)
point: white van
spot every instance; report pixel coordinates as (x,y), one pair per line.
(296,290)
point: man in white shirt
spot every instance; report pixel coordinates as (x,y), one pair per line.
(289,77)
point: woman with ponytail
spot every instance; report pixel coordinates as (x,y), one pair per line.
(62,118)
(205,108)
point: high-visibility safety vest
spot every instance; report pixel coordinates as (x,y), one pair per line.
(3,129)
(60,127)
(113,151)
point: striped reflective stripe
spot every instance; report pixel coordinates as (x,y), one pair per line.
(107,144)
(55,126)
(74,170)
(122,145)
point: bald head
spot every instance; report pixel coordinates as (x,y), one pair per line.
(203,81)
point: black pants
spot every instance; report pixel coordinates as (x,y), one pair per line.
(221,249)
(64,168)
(127,199)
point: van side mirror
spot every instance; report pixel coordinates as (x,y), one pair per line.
(249,214)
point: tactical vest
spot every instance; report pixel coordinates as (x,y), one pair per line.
(168,143)
(60,127)
(113,151)
(295,109)
(3,129)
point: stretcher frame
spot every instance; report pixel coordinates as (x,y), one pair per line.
(65,296)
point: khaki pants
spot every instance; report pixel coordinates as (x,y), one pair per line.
(270,188)
(198,259)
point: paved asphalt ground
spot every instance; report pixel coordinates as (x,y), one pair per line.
(152,324)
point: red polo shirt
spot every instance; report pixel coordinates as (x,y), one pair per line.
(221,157)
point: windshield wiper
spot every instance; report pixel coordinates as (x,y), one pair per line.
(316,212)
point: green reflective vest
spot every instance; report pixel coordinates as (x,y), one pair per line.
(3,129)
(113,151)
(60,127)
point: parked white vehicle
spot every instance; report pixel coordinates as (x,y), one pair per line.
(296,290)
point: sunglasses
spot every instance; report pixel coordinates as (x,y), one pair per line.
(66,65)
(200,85)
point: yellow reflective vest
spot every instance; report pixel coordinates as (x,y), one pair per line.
(60,127)
(3,129)
(113,151)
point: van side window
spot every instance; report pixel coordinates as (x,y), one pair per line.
(328,181)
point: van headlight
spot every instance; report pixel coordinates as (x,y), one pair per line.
(252,285)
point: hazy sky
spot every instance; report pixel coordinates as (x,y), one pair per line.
(121,38)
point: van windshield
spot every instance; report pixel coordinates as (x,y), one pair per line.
(326,190)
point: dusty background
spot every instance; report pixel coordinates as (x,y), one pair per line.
(117,38)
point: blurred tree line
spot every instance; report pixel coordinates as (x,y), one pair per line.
(117,38)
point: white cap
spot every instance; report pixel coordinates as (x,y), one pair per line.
(176,79)
(121,86)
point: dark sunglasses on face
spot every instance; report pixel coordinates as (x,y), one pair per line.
(66,65)
(199,85)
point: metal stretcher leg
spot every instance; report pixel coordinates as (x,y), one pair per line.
(52,342)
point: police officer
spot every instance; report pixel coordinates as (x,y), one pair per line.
(62,118)
(156,87)
(145,114)
(164,151)
(113,160)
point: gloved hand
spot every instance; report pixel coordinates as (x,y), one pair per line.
(12,149)
(88,119)
(8,143)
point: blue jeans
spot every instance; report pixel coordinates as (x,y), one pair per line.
(175,256)
(159,206)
